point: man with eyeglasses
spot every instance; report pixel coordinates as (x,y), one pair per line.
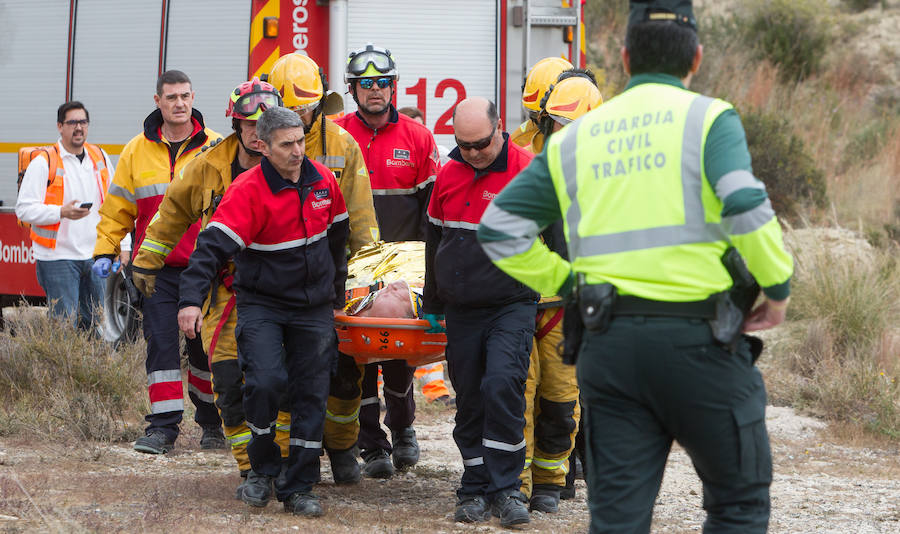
(173,134)
(402,160)
(194,196)
(60,196)
(489,317)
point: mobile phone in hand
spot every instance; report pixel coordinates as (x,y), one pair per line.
(86,205)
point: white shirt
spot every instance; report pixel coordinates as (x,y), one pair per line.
(75,239)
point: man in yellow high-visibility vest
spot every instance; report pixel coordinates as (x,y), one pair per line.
(656,192)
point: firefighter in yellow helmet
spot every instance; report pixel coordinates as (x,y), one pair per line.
(552,410)
(193,196)
(542,75)
(302,86)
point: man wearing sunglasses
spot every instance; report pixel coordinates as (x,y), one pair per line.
(489,316)
(402,161)
(173,134)
(194,196)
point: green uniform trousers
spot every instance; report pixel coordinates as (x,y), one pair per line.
(649,380)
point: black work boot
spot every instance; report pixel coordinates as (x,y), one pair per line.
(239,492)
(257,489)
(344,466)
(212,437)
(545,498)
(406,448)
(155,442)
(471,509)
(305,504)
(511,509)
(377,464)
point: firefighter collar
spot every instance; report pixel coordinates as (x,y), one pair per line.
(154,121)
(665,79)
(308,175)
(498,165)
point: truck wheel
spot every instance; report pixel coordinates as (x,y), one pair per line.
(121,301)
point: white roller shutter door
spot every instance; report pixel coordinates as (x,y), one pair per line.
(209,41)
(439,47)
(33,37)
(115,66)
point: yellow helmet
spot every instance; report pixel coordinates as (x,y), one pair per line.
(299,80)
(539,79)
(570,99)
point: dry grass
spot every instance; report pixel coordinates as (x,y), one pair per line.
(66,384)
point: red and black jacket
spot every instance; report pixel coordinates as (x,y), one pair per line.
(403,161)
(457,271)
(288,240)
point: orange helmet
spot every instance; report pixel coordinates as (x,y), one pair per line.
(539,79)
(571,98)
(299,80)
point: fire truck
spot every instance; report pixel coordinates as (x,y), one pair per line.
(108,54)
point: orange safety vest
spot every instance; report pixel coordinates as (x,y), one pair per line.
(46,235)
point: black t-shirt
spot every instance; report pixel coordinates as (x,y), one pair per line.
(236,169)
(80,156)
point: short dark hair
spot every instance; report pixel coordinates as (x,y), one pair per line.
(69,106)
(412,112)
(171,77)
(661,46)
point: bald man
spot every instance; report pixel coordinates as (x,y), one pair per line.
(489,316)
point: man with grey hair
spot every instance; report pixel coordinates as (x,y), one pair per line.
(286,225)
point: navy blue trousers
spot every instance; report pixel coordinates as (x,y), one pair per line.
(399,404)
(286,352)
(164,382)
(487,358)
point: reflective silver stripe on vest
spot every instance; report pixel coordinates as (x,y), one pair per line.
(152,190)
(471,462)
(550,464)
(43,232)
(332,161)
(501,446)
(735,181)
(60,171)
(229,232)
(749,221)
(405,191)
(297,442)
(339,217)
(153,246)
(283,428)
(695,228)
(119,191)
(521,231)
(169,375)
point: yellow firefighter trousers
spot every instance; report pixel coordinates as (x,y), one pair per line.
(552,409)
(227,380)
(342,407)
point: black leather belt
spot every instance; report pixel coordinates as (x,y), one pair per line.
(631,305)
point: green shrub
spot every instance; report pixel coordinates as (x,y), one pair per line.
(65,384)
(781,162)
(866,143)
(847,364)
(790,34)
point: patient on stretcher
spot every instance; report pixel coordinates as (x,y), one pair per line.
(396,300)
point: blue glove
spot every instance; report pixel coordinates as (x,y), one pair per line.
(115,266)
(436,327)
(102,267)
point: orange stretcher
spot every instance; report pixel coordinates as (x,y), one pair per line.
(375,339)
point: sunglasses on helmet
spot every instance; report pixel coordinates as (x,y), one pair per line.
(360,62)
(250,103)
(367,83)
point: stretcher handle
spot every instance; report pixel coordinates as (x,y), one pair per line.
(344,321)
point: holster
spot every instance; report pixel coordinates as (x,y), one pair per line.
(733,306)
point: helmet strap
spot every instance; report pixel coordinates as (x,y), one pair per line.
(236,125)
